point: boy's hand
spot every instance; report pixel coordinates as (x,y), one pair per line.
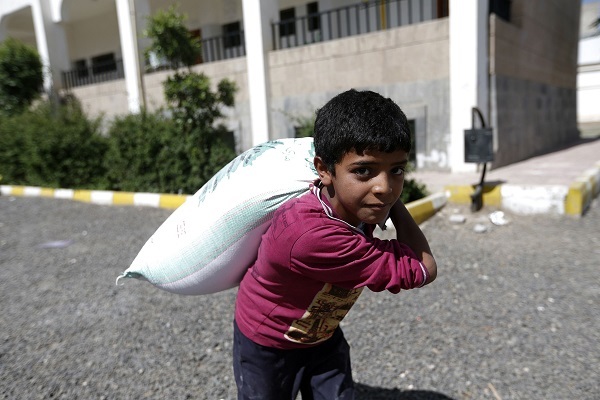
(409,233)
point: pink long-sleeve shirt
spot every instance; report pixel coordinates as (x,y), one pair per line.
(311,268)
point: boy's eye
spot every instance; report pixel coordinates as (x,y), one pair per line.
(398,171)
(362,171)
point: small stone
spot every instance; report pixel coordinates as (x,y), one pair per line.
(480,228)
(498,218)
(457,219)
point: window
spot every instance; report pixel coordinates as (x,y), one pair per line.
(314,21)
(232,35)
(501,8)
(81,69)
(104,63)
(287,24)
(443,9)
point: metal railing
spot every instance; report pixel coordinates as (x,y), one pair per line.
(224,47)
(97,73)
(356,19)
(213,49)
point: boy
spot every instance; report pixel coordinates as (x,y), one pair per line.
(319,253)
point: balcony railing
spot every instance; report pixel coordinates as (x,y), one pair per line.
(224,47)
(356,19)
(97,73)
(213,49)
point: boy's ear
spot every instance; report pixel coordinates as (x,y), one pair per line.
(323,171)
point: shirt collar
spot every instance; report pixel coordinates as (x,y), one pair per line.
(315,188)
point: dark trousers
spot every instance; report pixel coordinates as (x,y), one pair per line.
(321,373)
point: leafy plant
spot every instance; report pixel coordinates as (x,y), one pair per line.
(135,144)
(21,76)
(52,145)
(305,126)
(171,40)
(200,151)
(177,149)
(413,190)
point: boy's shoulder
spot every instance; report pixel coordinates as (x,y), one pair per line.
(300,212)
(305,215)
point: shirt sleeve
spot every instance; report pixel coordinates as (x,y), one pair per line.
(338,255)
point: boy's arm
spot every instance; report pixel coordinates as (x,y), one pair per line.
(409,233)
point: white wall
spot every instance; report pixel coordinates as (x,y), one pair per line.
(94,36)
(588,80)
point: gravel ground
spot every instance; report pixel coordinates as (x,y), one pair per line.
(514,313)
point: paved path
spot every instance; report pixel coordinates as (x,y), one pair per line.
(561,167)
(564,182)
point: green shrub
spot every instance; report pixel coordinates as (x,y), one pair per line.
(13,155)
(54,146)
(150,153)
(304,126)
(21,76)
(135,143)
(413,190)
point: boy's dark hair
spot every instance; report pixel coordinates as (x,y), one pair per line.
(359,120)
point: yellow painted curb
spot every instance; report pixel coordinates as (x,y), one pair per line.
(461,194)
(123,198)
(18,191)
(575,200)
(47,192)
(83,195)
(582,192)
(422,209)
(171,200)
(101,197)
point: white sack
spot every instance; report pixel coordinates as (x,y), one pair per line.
(209,242)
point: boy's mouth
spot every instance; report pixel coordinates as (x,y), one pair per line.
(377,206)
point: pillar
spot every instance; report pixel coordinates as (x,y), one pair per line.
(128,33)
(42,44)
(258,15)
(469,73)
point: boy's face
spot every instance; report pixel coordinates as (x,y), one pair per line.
(365,186)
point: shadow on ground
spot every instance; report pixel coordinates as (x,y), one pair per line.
(365,392)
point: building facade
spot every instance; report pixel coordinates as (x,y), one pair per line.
(515,61)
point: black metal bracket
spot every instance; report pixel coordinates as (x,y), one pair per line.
(477,195)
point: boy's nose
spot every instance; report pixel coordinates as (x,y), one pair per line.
(382,185)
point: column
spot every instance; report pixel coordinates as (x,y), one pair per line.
(126,15)
(56,42)
(469,73)
(42,44)
(258,15)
